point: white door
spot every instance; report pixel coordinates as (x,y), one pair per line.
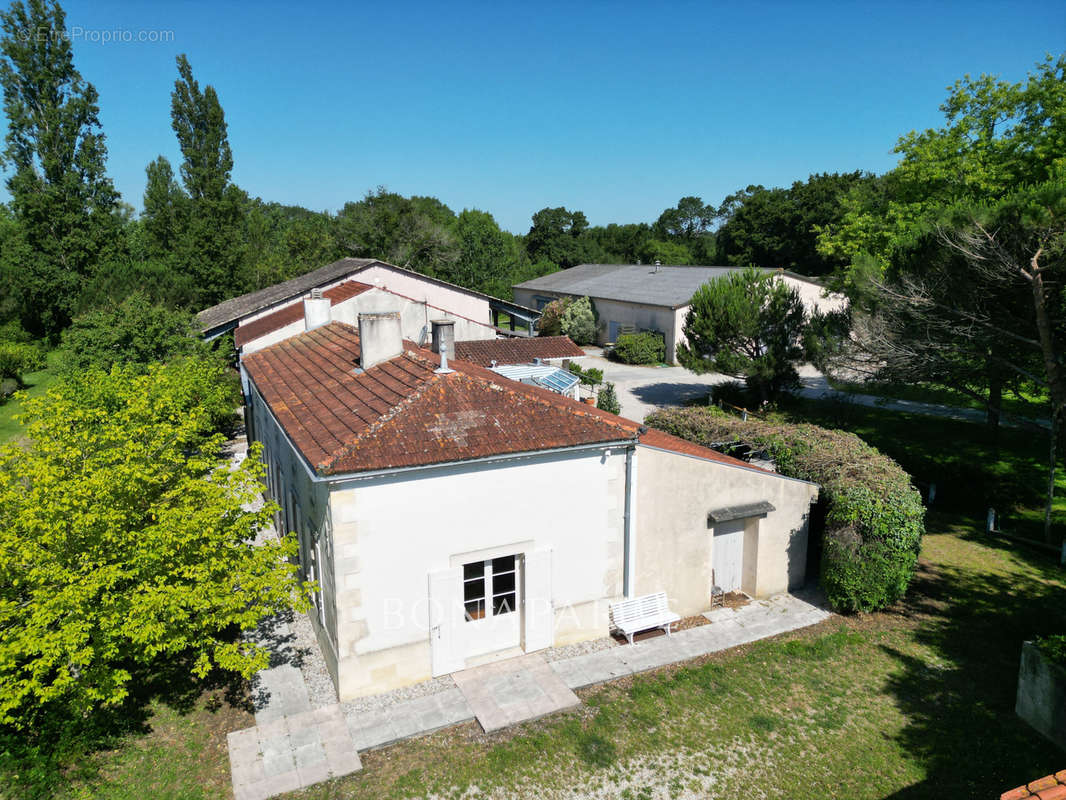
(538,612)
(491,617)
(445,619)
(727,556)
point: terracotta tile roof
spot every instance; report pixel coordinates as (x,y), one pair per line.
(293,313)
(1050,787)
(665,441)
(401,413)
(517,350)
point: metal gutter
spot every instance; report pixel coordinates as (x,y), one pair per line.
(629,546)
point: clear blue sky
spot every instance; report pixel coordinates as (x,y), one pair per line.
(617,109)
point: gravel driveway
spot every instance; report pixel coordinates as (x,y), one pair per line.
(643,389)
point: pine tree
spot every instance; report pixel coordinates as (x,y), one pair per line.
(63,202)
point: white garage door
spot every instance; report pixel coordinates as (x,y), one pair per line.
(728,554)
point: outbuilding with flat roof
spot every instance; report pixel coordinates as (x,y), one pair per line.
(629,298)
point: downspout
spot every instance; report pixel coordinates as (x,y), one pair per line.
(629,560)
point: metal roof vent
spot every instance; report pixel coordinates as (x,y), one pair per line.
(658,264)
(443,369)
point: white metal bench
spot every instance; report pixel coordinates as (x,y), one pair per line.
(642,614)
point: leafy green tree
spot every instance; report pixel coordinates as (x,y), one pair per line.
(620,244)
(607,399)
(165,206)
(62,199)
(124,542)
(747,325)
(486,253)
(416,232)
(558,235)
(665,252)
(998,135)
(579,321)
(210,247)
(133,332)
(689,225)
(778,228)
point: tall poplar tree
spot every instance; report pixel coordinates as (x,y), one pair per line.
(210,247)
(63,202)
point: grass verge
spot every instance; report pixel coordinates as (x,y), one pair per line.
(37,383)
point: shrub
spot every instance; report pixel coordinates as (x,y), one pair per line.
(551,317)
(18,358)
(874,516)
(589,377)
(1053,648)
(639,348)
(579,321)
(133,332)
(607,400)
(734,393)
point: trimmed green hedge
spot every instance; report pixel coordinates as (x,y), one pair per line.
(874,516)
(639,348)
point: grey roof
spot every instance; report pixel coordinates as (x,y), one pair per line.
(229,311)
(671,286)
(226,314)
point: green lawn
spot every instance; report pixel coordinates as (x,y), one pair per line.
(914,702)
(1031,405)
(962,458)
(36,383)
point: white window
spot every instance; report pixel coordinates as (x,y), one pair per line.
(490,588)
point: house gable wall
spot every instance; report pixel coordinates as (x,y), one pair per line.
(415,318)
(674,542)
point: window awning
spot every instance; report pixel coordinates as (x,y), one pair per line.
(730,513)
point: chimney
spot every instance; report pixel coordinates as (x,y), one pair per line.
(443,335)
(380,337)
(316,310)
(658,264)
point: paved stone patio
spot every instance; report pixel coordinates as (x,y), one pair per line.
(291,752)
(292,747)
(513,691)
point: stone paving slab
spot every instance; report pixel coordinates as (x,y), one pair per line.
(416,717)
(516,690)
(291,752)
(279,692)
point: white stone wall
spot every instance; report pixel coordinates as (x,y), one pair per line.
(415,320)
(814,297)
(391,532)
(674,543)
(471,306)
(285,474)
